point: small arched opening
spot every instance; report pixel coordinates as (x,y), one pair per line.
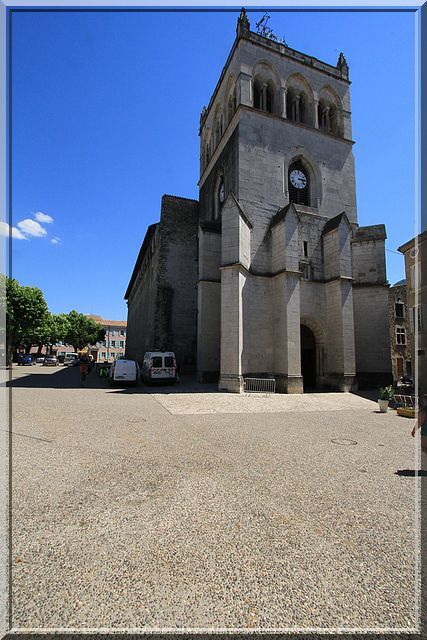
(265,91)
(218,196)
(303,108)
(299,100)
(270,90)
(308,358)
(231,108)
(329,113)
(257,93)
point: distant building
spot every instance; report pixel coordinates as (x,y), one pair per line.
(114,344)
(401,337)
(415,253)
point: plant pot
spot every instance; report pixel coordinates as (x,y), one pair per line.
(383,405)
(406,412)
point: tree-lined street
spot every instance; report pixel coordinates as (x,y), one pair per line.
(30,323)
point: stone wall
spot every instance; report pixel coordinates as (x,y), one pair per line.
(372,336)
(142,298)
(162,297)
(176,311)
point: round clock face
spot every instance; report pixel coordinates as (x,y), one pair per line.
(298,179)
(221,192)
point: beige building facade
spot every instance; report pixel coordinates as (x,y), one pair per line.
(401,336)
(415,254)
(114,345)
(288,285)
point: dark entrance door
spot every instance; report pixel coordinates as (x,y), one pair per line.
(308,358)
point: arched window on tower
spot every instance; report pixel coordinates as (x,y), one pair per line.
(327,114)
(231,106)
(333,119)
(218,196)
(303,108)
(291,105)
(264,95)
(257,94)
(323,115)
(269,97)
(217,137)
(297,106)
(299,184)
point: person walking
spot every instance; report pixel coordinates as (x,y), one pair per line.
(83,370)
(421,422)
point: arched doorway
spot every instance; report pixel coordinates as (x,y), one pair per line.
(308,358)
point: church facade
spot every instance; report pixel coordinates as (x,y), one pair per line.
(284,282)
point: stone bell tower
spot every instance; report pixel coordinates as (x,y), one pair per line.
(286,275)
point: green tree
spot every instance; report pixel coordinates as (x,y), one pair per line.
(26,310)
(83,330)
(53,328)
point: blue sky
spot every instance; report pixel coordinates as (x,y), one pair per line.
(106,109)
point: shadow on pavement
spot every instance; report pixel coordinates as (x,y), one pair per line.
(187,384)
(69,378)
(368,394)
(410,473)
(61,378)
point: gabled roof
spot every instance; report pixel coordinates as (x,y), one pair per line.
(335,222)
(241,211)
(279,216)
(101,320)
(411,243)
(282,213)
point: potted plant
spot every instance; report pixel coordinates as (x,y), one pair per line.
(384,396)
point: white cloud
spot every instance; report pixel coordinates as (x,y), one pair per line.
(55,240)
(31,228)
(43,217)
(6,230)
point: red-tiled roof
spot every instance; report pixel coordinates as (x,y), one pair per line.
(107,323)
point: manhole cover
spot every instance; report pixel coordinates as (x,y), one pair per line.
(343,441)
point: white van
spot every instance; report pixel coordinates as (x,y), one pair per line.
(124,371)
(71,359)
(159,366)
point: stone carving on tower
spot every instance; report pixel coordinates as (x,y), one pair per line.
(243,25)
(342,65)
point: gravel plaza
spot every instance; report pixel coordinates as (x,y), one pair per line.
(167,508)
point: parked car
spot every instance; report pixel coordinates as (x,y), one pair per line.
(124,371)
(50,361)
(26,359)
(71,359)
(40,359)
(159,366)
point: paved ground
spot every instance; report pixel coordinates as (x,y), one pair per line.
(136,509)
